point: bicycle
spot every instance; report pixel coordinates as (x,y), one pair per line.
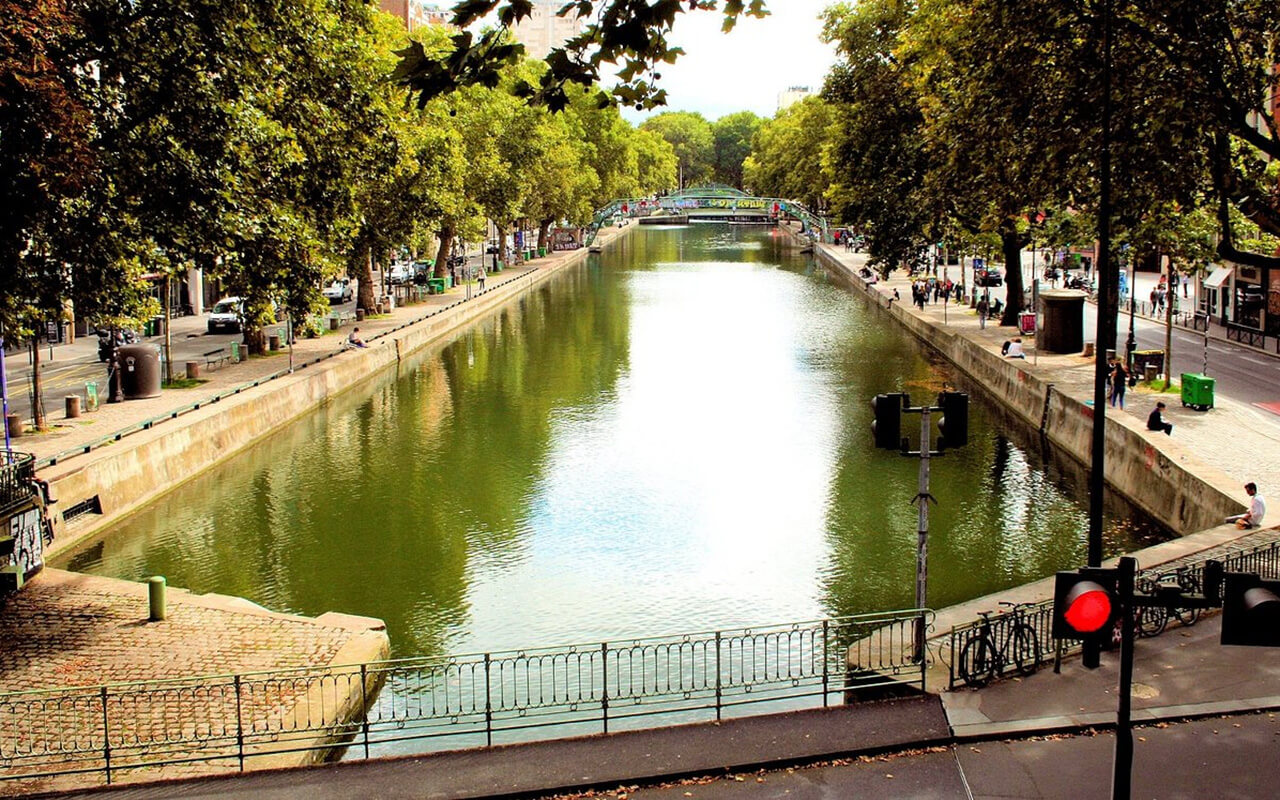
(982,659)
(1152,620)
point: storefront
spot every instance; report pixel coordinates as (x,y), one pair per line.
(1249,299)
(1215,293)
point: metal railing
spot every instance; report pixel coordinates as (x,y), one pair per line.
(1243,335)
(227,723)
(16,473)
(1263,559)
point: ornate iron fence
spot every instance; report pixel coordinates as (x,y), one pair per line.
(16,473)
(223,723)
(1263,559)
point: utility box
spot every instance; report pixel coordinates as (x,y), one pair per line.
(1063,329)
(1147,358)
(1197,391)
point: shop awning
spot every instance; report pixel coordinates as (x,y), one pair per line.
(1217,278)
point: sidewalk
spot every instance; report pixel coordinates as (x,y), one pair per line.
(110,418)
(1238,441)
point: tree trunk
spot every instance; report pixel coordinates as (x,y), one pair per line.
(37,387)
(361,265)
(1169,297)
(255,338)
(544,230)
(502,243)
(1011,244)
(442,255)
(168,338)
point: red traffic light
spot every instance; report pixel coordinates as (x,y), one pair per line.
(1085,604)
(1089,607)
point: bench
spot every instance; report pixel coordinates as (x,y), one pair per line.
(217,356)
(340,318)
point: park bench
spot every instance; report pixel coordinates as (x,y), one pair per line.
(217,356)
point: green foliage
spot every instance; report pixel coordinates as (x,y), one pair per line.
(690,136)
(732,136)
(789,155)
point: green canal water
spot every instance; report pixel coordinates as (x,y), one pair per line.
(673,437)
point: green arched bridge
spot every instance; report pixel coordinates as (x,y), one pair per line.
(712,203)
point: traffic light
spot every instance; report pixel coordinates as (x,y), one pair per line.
(954,423)
(1085,605)
(1250,611)
(887,427)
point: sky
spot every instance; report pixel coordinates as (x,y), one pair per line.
(747,68)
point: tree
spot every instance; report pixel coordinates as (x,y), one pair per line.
(732,135)
(789,155)
(44,162)
(689,135)
(633,32)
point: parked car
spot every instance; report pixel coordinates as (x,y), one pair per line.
(339,291)
(227,315)
(491,249)
(400,273)
(988,276)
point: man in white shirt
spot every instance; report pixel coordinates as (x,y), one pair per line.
(1257,509)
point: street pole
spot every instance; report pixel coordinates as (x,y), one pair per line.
(922,532)
(4,395)
(1122,763)
(1131,343)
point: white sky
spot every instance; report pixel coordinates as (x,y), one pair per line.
(747,68)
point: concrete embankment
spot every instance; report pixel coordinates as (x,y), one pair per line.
(117,480)
(1160,477)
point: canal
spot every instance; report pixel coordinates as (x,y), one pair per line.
(672,437)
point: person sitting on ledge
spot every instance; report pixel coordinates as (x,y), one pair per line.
(354,339)
(1015,349)
(1156,422)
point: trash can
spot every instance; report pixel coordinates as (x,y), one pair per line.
(1027,323)
(235,347)
(273,341)
(1197,391)
(1144,358)
(1063,328)
(542,252)
(435,285)
(91,396)
(139,371)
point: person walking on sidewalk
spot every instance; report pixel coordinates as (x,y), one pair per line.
(1119,382)
(1156,422)
(480,277)
(1257,509)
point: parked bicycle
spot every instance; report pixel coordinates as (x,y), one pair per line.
(1152,620)
(984,657)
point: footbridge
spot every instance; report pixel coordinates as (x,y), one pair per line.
(711,203)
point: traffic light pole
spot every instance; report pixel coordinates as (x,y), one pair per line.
(1122,763)
(922,531)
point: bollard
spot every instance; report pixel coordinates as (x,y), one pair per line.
(15,426)
(193,370)
(333,323)
(157,604)
(273,342)
(1088,350)
(359,315)
(73,405)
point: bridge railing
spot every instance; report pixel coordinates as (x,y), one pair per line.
(232,723)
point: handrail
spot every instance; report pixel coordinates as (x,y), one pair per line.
(228,721)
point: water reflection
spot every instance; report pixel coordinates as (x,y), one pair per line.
(672,437)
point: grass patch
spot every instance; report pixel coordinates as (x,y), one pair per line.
(183,383)
(1157,387)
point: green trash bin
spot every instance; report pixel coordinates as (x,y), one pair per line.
(542,252)
(91,396)
(435,285)
(1197,391)
(235,351)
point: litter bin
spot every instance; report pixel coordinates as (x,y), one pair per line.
(435,285)
(91,396)
(1197,391)
(139,371)
(542,252)
(1144,358)
(1027,323)
(236,348)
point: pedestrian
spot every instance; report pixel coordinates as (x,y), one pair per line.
(1015,349)
(982,313)
(354,340)
(1186,285)
(480,277)
(1257,509)
(1155,422)
(1119,382)
(896,296)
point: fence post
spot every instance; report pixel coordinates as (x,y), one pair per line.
(604,685)
(825,675)
(106,735)
(364,708)
(718,684)
(239,724)
(488,701)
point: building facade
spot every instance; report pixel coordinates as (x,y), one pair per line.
(543,31)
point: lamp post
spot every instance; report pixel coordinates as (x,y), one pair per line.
(1131,343)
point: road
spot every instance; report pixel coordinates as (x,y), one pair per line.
(66,368)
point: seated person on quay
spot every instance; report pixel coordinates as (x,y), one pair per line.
(354,339)
(1156,422)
